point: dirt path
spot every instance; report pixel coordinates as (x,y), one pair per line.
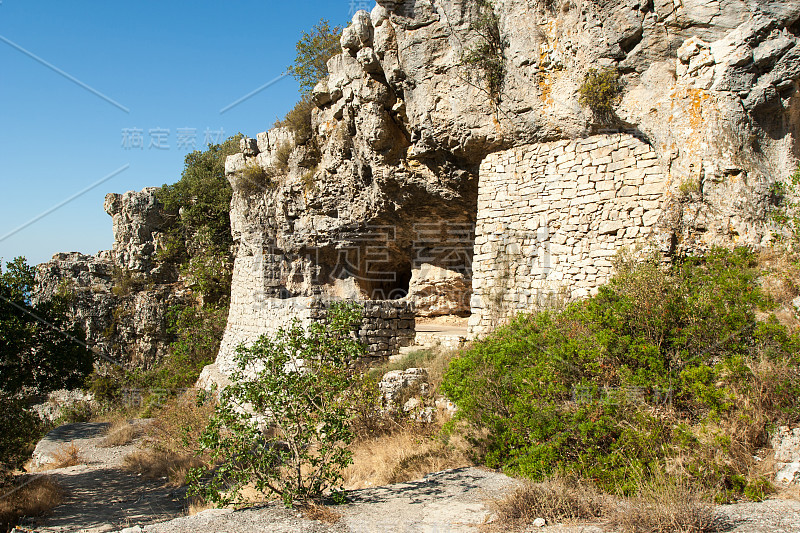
(100,495)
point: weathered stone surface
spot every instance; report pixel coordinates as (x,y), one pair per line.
(138,219)
(786,444)
(120,297)
(439,291)
(397,382)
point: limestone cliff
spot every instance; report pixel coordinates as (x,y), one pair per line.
(120,297)
(417,183)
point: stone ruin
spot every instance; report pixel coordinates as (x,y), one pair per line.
(417,186)
(425,198)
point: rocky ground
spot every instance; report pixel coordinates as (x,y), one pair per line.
(102,497)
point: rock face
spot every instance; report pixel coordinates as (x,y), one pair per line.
(417,183)
(786,443)
(120,297)
(138,221)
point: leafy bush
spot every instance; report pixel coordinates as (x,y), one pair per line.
(600,90)
(787,211)
(209,272)
(298,121)
(40,351)
(314,49)
(654,367)
(198,332)
(487,56)
(200,200)
(126,282)
(19,429)
(282,425)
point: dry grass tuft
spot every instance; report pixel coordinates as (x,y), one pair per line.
(159,464)
(668,508)
(178,425)
(197,505)
(321,513)
(35,498)
(556,500)
(121,434)
(172,440)
(65,456)
(403,455)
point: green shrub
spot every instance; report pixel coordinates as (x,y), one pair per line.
(786,213)
(298,121)
(615,387)
(198,332)
(40,349)
(19,430)
(282,155)
(73,413)
(314,49)
(294,383)
(105,388)
(126,282)
(487,57)
(255,179)
(600,90)
(209,273)
(200,200)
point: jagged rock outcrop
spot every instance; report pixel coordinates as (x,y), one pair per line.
(120,297)
(413,166)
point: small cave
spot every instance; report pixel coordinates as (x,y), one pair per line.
(387,284)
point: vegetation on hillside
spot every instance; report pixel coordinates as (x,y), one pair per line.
(487,57)
(666,372)
(600,91)
(199,247)
(296,382)
(39,352)
(200,204)
(314,49)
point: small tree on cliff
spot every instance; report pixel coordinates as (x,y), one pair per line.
(283,424)
(314,49)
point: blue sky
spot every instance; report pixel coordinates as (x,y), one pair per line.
(173,65)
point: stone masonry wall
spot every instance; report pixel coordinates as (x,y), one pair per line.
(387,325)
(552,216)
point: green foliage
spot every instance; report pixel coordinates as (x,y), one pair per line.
(689,187)
(609,388)
(298,121)
(127,282)
(200,201)
(198,332)
(314,49)
(309,185)
(255,179)
(75,412)
(105,388)
(487,57)
(600,90)
(787,211)
(39,350)
(209,271)
(295,383)
(19,428)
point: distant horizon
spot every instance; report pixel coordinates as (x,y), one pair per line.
(91,107)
